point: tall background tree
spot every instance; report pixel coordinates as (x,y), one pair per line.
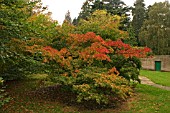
(155,32)
(114,7)
(139,15)
(103,24)
(68,17)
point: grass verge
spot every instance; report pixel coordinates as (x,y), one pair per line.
(162,78)
(149,100)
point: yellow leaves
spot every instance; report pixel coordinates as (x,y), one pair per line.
(65,29)
(37,41)
(102,87)
(1,81)
(104,18)
(100,17)
(103,24)
(113,71)
(32,18)
(117,17)
(113,81)
(82,87)
(65,74)
(100,13)
(64,52)
(17,45)
(34,48)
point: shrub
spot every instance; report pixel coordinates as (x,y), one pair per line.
(91,50)
(102,88)
(68,66)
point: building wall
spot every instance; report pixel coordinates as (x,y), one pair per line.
(149,63)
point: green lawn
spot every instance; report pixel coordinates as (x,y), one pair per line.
(162,78)
(149,100)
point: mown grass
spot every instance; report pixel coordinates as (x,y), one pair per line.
(162,78)
(30,97)
(149,100)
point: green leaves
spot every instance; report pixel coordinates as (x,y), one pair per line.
(3,95)
(113,7)
(93,85)
(103,24)
(155,30)
(19,23)
(13,17)
(139,14)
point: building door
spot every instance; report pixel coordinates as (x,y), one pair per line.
(157,65)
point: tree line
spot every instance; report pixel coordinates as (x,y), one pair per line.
(148,27)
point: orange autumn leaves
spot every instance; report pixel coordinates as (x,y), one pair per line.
(62,57)
(82,46)
(80,50)
(89,46)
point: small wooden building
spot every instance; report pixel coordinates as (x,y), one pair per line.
(157,63)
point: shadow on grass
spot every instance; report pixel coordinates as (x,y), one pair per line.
(29,96)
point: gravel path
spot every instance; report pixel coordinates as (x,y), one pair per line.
(145,80)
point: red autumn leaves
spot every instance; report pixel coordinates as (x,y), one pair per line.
(127,51)
(90,46)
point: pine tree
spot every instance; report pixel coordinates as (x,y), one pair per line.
(138,17)
(114,7)
(68,17)
(75,21)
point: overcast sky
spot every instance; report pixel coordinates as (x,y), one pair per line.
(60,7)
